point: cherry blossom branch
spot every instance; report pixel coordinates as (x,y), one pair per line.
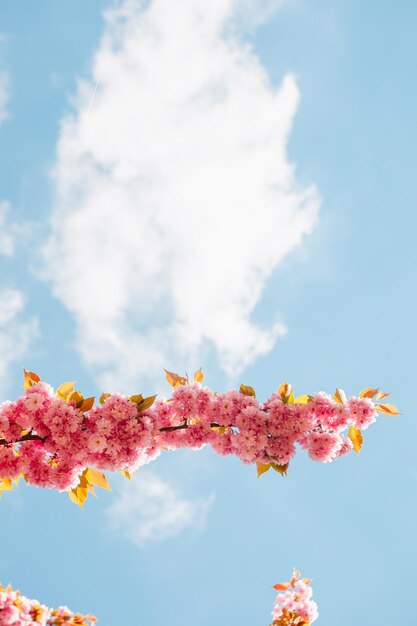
(168,429)
(54,439)
(27,437)
(293,605)
(21,611)
(32,437)
(185,425)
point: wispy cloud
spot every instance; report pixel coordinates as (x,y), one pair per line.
(175,200)
(148,509)
(17,329)
(7,231)
(16,334)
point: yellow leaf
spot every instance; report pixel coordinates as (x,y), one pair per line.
(82,481)
(104,397)
(136,399)
(82,494)
(146,403)
(126,474)
(30,379)
(368,392)
(94,477)
(305,399)
(247,390)
(262,468)
(65,390)
(281,469)
(87,404)
(78,495)
(72,494)
(339,396)
(286,392)
(76,397)
(91,490)
(381,395)
(220,429)
(356,438)
(174,379)
(389,409)
(6,484)
(199,376)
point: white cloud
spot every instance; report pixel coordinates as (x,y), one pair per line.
(16,334)
(149,509)
(7,231)
(16,330)
(175,200)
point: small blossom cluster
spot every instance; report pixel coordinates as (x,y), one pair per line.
(17,610)
(293,605)
(50,439)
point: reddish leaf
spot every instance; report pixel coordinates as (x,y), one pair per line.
(174,379)
(369,392)
(146,403)
(281,469)
(137,398)
(87,404)
(247,390)
(389,409)
(30,379)
(381,396)
(262,468)
(282,586)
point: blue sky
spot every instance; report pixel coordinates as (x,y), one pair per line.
(337,270)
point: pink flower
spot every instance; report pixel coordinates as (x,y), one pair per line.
(362,411)
(97,443)
(51,441)
(17,610)
(323,447)
(293,604)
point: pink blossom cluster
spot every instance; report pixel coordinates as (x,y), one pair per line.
(50,441)
(17,610)
(293,605)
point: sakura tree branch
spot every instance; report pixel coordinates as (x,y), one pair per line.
(27,437)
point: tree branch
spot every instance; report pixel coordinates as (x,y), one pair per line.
(32,437)
(27,437)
